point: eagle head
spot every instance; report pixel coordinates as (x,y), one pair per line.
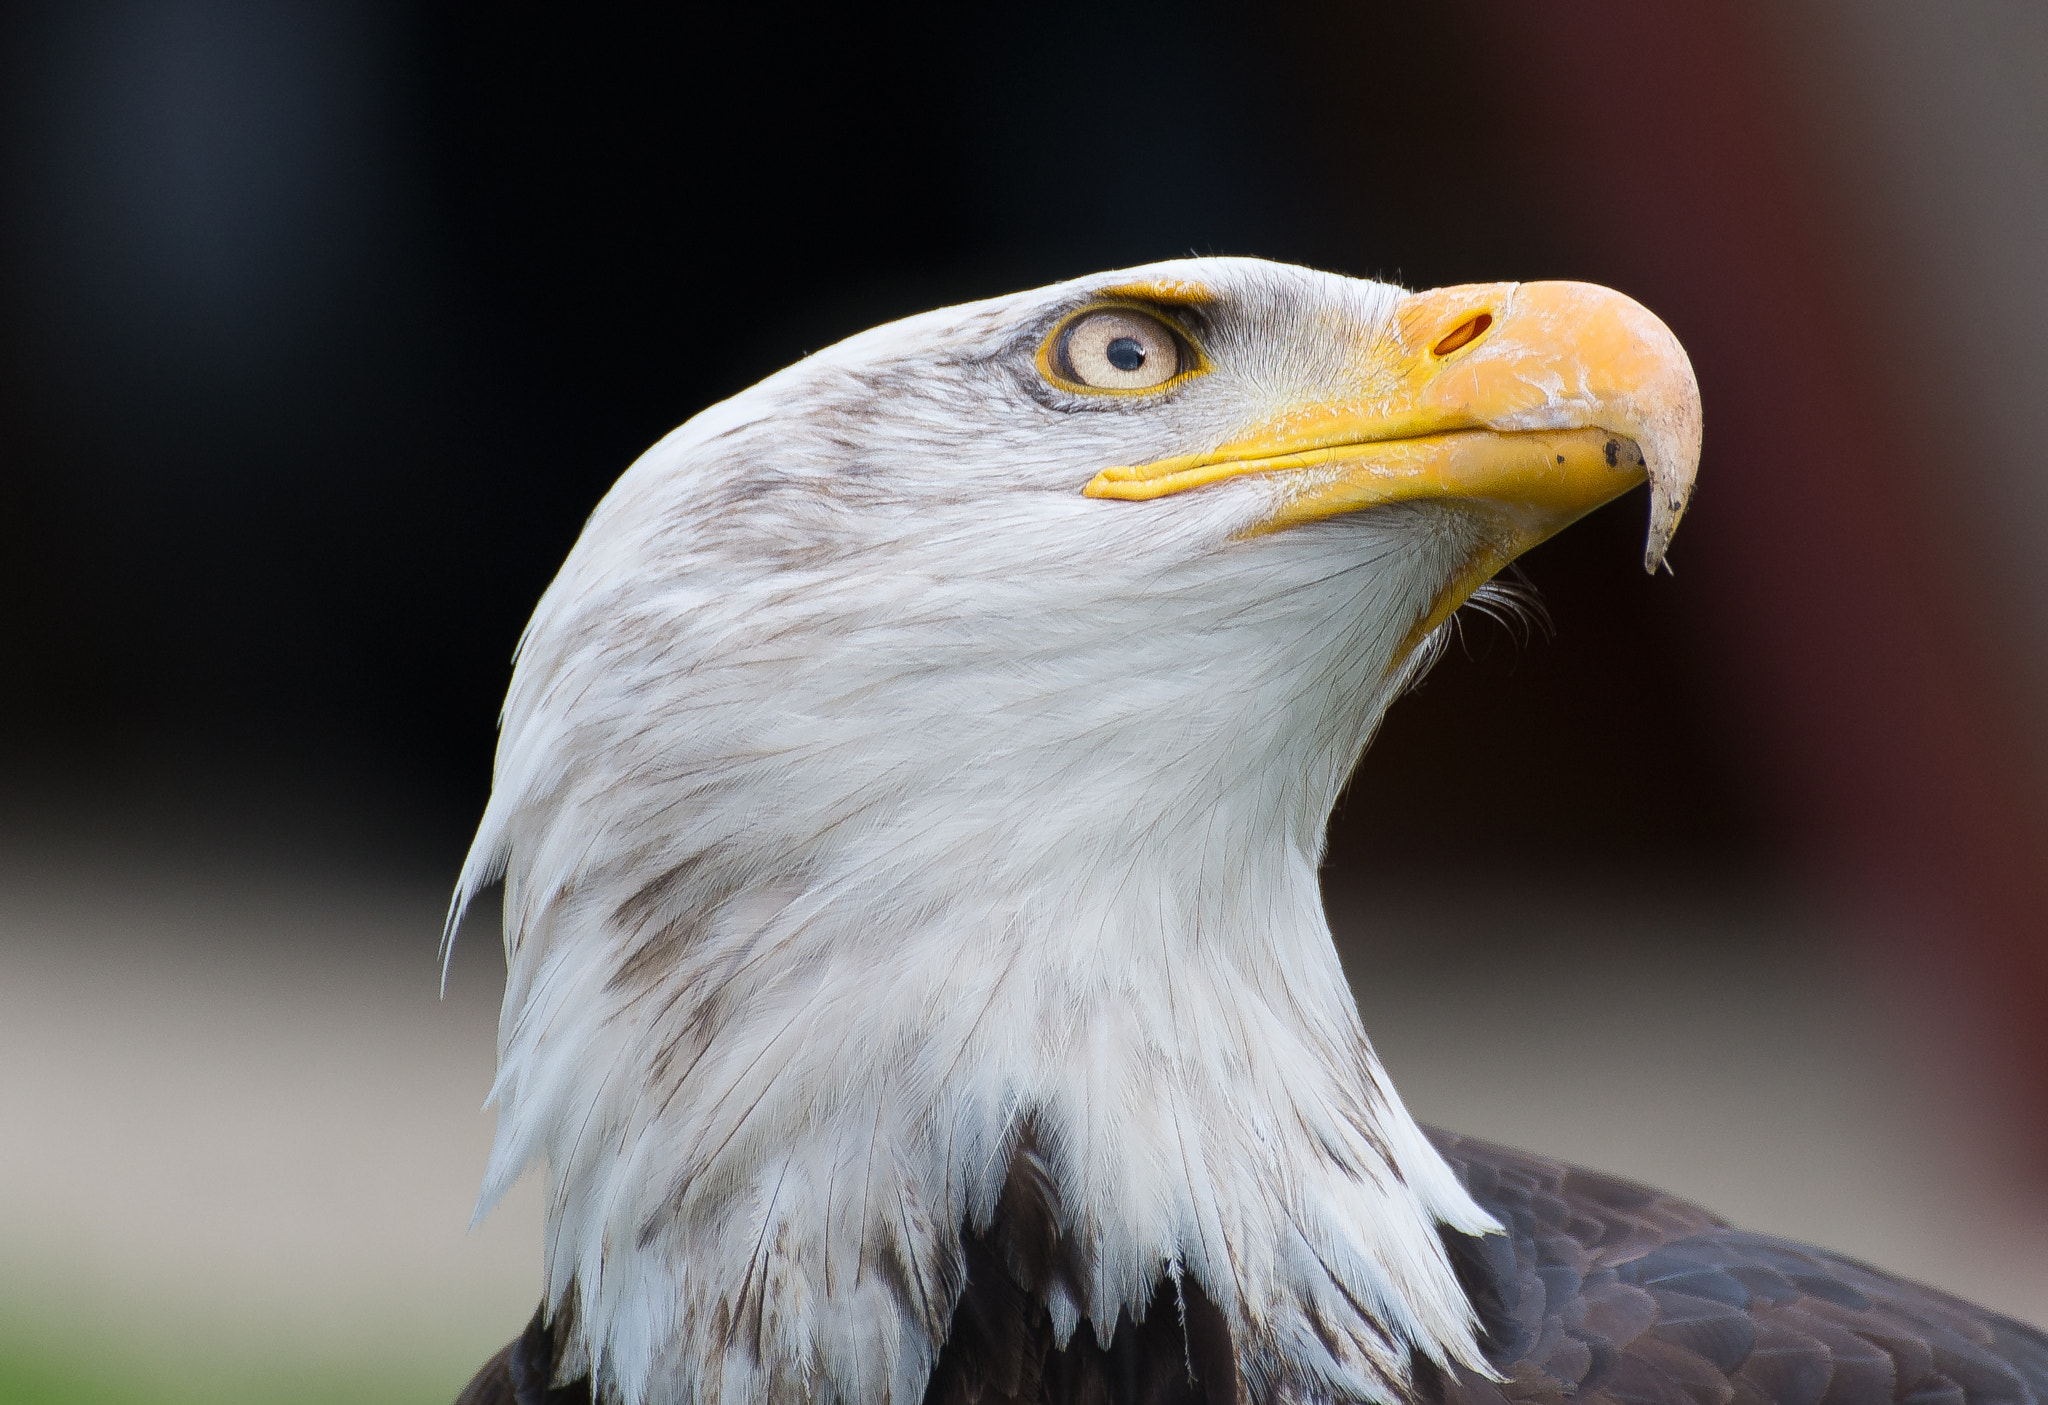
(909,801)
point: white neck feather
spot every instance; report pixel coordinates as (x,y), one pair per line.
(765,1137)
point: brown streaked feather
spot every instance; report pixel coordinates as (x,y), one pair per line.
(1001,1351)
(1000,1348)
(1602,1292)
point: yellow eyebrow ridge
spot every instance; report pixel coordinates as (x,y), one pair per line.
(1177,292)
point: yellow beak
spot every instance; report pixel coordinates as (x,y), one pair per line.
(1534,402)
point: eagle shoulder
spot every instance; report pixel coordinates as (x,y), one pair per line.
(520,1374)
(1605,1292)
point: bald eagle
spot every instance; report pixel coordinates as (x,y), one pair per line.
(909,803)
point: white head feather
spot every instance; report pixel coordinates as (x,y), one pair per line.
(867,796)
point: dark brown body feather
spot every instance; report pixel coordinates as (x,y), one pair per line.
(1602,1292)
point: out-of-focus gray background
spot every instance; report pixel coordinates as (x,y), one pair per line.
(323,325)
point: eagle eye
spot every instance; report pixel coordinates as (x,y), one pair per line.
(1116,348)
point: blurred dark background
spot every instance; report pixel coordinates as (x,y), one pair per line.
(327,324)
(323,325)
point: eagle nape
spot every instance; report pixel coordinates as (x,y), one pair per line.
(909,802)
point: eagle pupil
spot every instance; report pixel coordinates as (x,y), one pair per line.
(1125,354)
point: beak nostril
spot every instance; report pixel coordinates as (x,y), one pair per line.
(1466,332)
